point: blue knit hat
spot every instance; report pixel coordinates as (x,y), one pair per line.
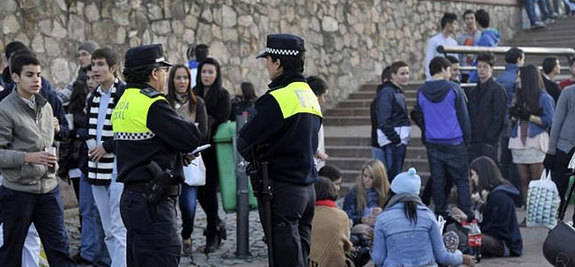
(406,182)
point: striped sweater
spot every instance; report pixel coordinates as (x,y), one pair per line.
(100,173)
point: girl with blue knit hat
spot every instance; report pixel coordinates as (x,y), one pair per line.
(407,233)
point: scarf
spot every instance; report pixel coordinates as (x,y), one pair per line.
(326,202)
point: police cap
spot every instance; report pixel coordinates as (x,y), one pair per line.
(283,45)
(145,55)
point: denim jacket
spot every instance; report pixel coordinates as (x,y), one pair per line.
(398,242)
(547,104)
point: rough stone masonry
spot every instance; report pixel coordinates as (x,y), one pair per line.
(348,41)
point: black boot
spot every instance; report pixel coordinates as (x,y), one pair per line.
(213,242)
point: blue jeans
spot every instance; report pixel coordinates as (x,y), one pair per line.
(393,158)
(188,201)
(544,9)
(449,162)
(529,6)
(19,210)
(93,247)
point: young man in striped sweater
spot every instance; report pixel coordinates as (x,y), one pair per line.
(101,164)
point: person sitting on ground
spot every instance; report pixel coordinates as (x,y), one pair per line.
(569,81)
(407,233)
(330,228)
(365,200)
(501,236)
(551,68)
(333,174)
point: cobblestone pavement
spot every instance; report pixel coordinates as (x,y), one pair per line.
(533,239)
(225,256)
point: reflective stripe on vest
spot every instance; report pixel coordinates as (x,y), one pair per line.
(296,97)
(130,115)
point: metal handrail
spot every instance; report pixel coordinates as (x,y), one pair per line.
(460,49)
(502,68)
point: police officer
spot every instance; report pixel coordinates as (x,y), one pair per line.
(284,133)
(150,141)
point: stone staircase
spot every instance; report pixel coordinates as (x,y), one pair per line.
(347,124)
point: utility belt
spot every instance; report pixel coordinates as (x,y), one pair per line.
(156,184)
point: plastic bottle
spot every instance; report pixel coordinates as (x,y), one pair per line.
(474,240)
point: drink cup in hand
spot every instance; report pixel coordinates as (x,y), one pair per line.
(51,150)
(375,211)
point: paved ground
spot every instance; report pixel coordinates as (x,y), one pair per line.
(533,239)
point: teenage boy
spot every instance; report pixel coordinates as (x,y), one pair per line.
(30,192)
(84,56)
(455,70)
(551,68)
(469,37)
(14,48)
(448,29)
(101,164)
(441,114)
(487,105)
(490,37)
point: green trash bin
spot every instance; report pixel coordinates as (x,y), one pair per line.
(226,167)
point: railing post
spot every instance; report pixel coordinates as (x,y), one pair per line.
(242,196)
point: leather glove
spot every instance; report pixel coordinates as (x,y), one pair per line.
(549,161)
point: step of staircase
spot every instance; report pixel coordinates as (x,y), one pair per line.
(347,128)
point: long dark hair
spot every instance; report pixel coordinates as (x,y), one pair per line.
(409,208)
(172,88)
(531,88)
(248,92)
(217,83)
(488,172)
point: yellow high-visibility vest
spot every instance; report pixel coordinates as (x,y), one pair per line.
(296,97)
(130,115)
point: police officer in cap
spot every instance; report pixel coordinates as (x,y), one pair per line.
(284,133)
(151,141)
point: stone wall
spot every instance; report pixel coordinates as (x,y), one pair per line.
(348,41)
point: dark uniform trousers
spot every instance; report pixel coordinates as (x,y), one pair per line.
(152,234)
(292,213)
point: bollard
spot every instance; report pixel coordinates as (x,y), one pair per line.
(242,200)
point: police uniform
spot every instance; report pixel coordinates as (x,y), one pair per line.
(147,129)
(284,133)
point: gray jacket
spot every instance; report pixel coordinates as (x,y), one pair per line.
(25,128)
(563,126)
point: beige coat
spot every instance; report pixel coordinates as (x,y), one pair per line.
(25,128)
(329,237)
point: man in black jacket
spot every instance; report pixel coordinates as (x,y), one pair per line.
(551,68)
(487,108)
(284,133)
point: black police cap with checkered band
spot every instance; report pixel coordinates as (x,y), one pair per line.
(145,55)
(283,45)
